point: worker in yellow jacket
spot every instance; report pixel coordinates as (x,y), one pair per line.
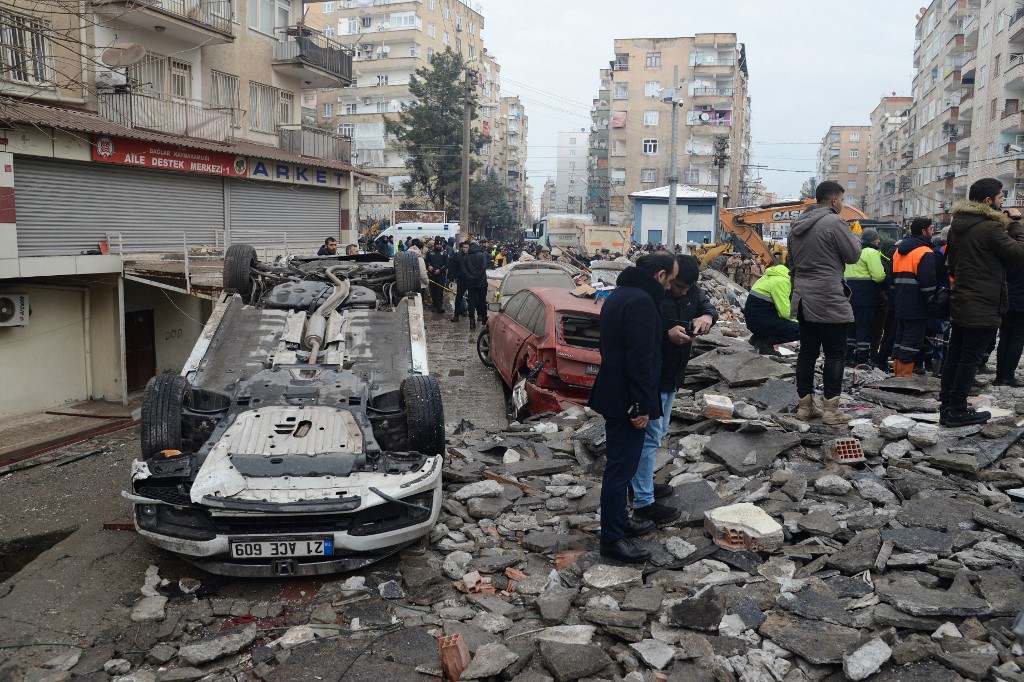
(866,279)
(767,311)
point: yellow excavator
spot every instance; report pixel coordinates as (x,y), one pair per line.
(743,224)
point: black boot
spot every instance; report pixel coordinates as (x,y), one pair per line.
(965,417)
(625,551)
(472,323)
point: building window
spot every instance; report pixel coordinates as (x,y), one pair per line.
(382,79)
(402,20)
(651,118)
(328,8)
(266,15)
(328,109)
(854,153)
(472,52)
(851,169)
(458,45)
(224,94)
(269,107)
(572,140)
(648,175)
(447,12)
(621,61)
(432,30)
(621,91)
(328,31)
(653,60)
(346,129)
(445,39)
(25,49)
(652,88)
(430,54)
(181,79)
(650,146)
(433,5)
(382,107)
(852,184)
(160,74)
(854,137)
(351,109)
(472,27)
(351,27)
(572,152)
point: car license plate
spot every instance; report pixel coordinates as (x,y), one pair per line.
(258,549)
(593,369)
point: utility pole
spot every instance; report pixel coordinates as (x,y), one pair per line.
(721,158)
(467,115)
(675,100)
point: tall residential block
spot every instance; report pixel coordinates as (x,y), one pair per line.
(888,139)
(597,160)
(843,157)
(571,172)
(715,102)
(391,39)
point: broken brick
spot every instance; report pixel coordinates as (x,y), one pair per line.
(743,527)
(454,656)
(514,574)
(845,451)
(717,406)
(567,558)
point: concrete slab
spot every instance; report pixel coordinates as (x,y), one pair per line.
(746,454)
(745,368)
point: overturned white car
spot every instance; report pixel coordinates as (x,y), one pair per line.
(304,435)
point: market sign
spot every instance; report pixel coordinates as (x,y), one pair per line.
(128,152)
(297,174)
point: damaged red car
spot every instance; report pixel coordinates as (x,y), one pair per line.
(545,344)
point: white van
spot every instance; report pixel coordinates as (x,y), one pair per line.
(421,231)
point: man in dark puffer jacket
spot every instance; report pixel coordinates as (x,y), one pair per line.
(983,240)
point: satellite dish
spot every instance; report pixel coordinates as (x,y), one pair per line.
(123,54)
(705,116)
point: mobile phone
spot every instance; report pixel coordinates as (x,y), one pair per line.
(634,411)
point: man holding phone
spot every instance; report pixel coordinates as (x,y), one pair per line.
(983,240)
(626,392)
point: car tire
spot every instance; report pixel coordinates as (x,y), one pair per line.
(165,397)
(483,347)
(718,263)
(238,263)
(424,414)
(407,273)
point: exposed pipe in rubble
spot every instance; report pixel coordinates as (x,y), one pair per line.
(316,327)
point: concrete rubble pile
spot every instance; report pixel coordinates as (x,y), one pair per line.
(889,549)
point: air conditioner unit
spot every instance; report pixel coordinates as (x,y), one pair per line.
(366,101)
(366,47)
(110,79)
(710,60)
(14,310)
(341,98)
(707,107)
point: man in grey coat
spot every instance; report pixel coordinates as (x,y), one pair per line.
(821,245)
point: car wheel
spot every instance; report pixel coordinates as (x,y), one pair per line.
(483,347)
(407,273)
(238,263)
(162,404)
(424,414)
(718,263)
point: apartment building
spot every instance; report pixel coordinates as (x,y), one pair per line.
(571,172)
(547,198)
(940,144)
(143,134)
(512,136)
(598,187)
(888,140)
(715,102)
(391,39)
(843,157)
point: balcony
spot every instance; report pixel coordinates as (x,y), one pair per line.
(969,62)
(1016,25)
(317,61)
(166,114)
(1014,74)
(709,118)
(314,142)
(700,150)
(711,92)
(197,22)
(513,174)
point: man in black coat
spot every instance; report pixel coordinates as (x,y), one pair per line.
(473,266)
(685,308)
(458,277)
(626,392)
(437,269)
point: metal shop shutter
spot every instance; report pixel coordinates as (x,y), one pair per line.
(265,214)
(65,207)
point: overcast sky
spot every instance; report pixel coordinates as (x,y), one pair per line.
(812,64)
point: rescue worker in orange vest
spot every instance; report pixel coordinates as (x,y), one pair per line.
(914,270)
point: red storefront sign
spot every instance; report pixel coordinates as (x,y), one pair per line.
(127,152)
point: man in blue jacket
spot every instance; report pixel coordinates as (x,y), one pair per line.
(626,392)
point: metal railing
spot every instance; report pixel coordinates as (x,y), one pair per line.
(1015,17)
(315,142)
(301,43)
(166,114)
(725,92)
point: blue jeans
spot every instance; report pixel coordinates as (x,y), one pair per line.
(643,481)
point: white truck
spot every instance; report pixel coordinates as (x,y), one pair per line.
(579,230)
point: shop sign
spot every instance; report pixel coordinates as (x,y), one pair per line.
(128,152)
(297,174)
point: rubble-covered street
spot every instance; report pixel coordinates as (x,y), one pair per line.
(891,549)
